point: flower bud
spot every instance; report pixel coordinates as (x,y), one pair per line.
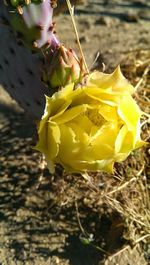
(63,67)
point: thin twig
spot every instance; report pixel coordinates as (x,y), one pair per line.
(119,252)
(78,218)
(146,114)
(122,186)
(71,11)
(142,78)
(42,167)
(128,246)
(142,238)
(141,100)
(96,58)
(137,50)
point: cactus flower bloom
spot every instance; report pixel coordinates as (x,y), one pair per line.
(90,127)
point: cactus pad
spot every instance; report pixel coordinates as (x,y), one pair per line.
(18,4)
(34,25)
(20,71)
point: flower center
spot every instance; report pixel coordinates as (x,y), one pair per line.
(95,117)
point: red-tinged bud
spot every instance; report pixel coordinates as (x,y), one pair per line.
(62,67)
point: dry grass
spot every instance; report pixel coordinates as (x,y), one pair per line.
(132,197)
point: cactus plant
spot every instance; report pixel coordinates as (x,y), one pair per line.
(18,4)
(15,3)
(34,24)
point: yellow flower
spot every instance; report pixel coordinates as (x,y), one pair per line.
(90,127)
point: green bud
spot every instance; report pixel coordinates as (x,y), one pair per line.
(62,67)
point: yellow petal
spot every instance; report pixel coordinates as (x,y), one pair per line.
(42,141)
(129,112)
(45,117)
(58,107)
(108,112)
(80,133)
(69,114)
(80,97)
(102,151)
(120,138)
(96,166)
(106,134)
(140,143)
(107,98)
(65,92)
(59,102)
(53,140)
(115,80)
(69,147)
(125,141)
(50,165)
(84,123)
(121,157)
(49,140)
(47,111)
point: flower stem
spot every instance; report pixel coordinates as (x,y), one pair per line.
(71,11)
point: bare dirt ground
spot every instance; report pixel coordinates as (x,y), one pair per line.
(50,221)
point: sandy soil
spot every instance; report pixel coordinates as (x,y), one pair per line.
(38,219)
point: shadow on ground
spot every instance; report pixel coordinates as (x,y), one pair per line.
(36,221)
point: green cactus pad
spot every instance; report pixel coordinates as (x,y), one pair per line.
(27,35)
(15,3)
(34,26)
